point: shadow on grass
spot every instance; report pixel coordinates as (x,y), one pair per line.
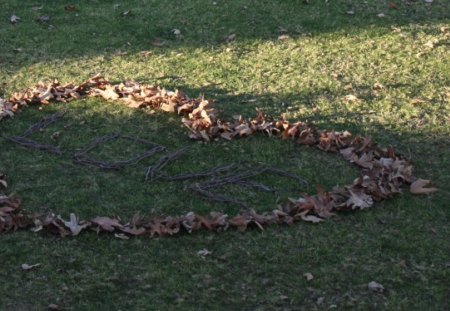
(46,181)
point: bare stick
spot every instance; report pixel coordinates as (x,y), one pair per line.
(210,172)
(82,157)
(216,197)
(163,161)
(231,179)
(28,143)
(43,123)
(256,185)
(279,172)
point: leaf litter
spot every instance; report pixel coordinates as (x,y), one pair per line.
(383,171)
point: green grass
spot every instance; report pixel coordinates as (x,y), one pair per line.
(401,243)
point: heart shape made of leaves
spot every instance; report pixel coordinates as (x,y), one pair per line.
(383,172)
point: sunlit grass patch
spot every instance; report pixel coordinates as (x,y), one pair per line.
(396,67)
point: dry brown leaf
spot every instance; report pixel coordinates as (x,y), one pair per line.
(108,93)
(168,107)
(14,19)
(53,307)
(70,8)
(121,236)
(351,98)
(158,42)
(3,184)
(204,253)
(375,287)
(366,160)
(133,230)
(239,222)
(6,210)
(311,218)
(227,135)
(420,186)
(359,199)
(125,13)
(308,276)
(230,37)
(393,6)
(283,37)
(55,135)
(74,226)
(106,223)
(378,86)
(27,267)
(43,19)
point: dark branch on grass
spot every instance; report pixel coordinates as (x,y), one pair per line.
(152,170)
(31,144)
(44,123)
(216,197)
(253,184)
(82,157)
(279,172)
(211,172)
(241,179)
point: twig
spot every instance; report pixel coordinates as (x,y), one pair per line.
(81,157)
(279,172)
(98,141)
(217,197)
(256,185)
(210,172)
(241,179)
(32,144)
(28,143)
(43,123)
(163,161)
(231,179)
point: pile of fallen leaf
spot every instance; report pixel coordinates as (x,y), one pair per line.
(383,172)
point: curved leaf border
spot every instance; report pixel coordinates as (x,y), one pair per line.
(383,172)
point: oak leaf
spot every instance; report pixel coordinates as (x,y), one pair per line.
(109,93)
(359,199)
(366,160)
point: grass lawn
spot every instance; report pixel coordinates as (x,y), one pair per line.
(284,57)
